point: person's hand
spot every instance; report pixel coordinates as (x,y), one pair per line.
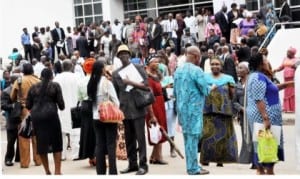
(213,87)
(153,120)
(127,81)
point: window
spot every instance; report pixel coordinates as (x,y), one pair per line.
(294,2)
(174,10)
(77,1)
(78,11)
(97,8)
(172,2)
(132,5)
(98,19)
(87,11)
(252,5)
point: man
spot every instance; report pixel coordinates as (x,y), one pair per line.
(116,28)
(26,81)
(190,89)
(113,46)
(187,38)
(68,82)
(82,45)
(223,21)
(134,121)
(229,67)
(25,40)
(11,125)
(191,23)
(155,32)
(58,38)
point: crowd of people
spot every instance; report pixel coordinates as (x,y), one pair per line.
(204,71)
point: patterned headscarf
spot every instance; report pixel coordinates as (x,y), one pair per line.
(292,50)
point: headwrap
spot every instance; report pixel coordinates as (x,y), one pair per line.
(88,65)
(150,58)
(293,50)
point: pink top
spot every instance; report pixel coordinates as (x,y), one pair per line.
(287,66)
(213,26)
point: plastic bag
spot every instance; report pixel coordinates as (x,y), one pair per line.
(155,133)
(267,147)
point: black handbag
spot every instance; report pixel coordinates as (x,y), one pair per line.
(87,107)
(26,128)
(76,116)
(142,98)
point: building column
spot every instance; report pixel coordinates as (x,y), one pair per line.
(113,9)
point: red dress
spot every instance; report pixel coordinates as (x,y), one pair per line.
(158,108)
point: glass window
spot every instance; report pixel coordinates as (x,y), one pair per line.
(98,19)
(251,5)
(78,21)
(172,2)
(96,0)
(295,2)
(98,8)
(296,15)
(174,10)
(88,10)
(88,20)
(77,1)
(130,7)
(78,11)
(278,3)
(87,1)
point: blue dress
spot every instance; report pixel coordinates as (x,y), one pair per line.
(260,87)
(219,142)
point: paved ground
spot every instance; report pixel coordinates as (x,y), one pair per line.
(176,166)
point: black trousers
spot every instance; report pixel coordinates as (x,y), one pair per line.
(28,52)
(106,136)
(12,138)
(135,133)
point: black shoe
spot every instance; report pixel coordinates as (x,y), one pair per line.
(159,162)
(141,171)
(9,163)
(219,164)
(129,169)
(253,167)
(205,163)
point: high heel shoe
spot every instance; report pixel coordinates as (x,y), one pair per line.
(158,162)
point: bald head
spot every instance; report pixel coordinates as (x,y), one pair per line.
(193,54)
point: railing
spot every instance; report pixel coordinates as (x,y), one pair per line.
(273,31)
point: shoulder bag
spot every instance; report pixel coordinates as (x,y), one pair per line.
(108,111)
(142,98)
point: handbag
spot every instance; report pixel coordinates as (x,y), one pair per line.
(18,107)
(142,98)
(267,147)
(76,116)
(109,112)
(155,133)
(26,128)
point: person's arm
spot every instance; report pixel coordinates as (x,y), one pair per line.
(14,92)
(143,85)
(261,106)
(113,94)
(236,105)
(6,103)
(285,85)
(59,98)
(29,99)
(153,119)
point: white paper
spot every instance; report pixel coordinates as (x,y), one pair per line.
(170,92)
(276,131)
(132,74)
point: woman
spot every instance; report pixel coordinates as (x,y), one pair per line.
(263,108)
(157,111)
(87,133)
(246,24)
(43,99)
(238,104)
(288,75)
(100,89)
(219,143)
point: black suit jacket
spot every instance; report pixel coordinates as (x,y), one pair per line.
(223,23)
(229,67)
(83,46)
(55,36)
